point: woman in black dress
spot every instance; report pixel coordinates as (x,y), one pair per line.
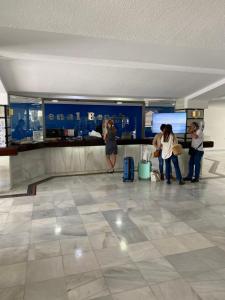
(111,146)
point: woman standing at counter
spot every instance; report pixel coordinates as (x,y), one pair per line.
(168,140)
(111,145)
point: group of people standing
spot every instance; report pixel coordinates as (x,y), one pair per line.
(165,141)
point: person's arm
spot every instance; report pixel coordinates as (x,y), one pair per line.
(105,134)
(154,142)
(196,134)
(175,140)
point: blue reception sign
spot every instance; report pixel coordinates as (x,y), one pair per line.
(177,120)
(87,117)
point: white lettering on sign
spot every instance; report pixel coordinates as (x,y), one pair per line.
(78,115)
(69,117)
(51,117)
(91,116)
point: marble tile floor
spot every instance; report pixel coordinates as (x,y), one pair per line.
(95,237)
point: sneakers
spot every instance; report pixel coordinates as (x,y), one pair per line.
(195,180)
(187,179)
(181,182)
(162,177)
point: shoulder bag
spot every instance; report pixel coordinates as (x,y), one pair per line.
(157,153)
(193,150)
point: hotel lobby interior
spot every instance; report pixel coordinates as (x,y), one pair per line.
(69,228)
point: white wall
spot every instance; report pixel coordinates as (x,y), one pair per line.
(3,94)
(215,123)
(5,179)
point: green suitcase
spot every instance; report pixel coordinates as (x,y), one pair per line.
(144,169)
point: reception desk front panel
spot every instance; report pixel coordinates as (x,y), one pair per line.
(33,162)
(36,164)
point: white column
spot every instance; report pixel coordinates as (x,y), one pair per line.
(3,94)
(5,176)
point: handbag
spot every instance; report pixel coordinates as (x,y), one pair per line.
(191,151)
(157,153)
(155,176)
(177,149)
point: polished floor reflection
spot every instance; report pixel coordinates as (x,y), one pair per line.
(94,237)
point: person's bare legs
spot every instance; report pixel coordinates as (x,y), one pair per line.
(109,163)
(113,160)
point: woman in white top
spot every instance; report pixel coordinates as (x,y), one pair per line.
(196,152)
(168,140)
(157,144)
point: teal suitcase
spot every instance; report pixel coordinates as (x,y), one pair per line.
(144,169)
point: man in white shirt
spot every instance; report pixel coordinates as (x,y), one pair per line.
(196,152)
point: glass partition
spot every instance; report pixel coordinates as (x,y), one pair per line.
(26,119)
(69,120)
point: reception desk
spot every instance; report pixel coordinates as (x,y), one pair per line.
(36,161)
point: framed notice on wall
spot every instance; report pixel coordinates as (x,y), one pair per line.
(148,118)
(2,111)
(2,133)
(3,126)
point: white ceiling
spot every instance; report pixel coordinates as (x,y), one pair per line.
(139,48)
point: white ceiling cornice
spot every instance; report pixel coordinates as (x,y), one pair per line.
(110,63)
(206,89)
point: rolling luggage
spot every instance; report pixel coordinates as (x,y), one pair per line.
(144,169)
(128,169)
(144,165)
